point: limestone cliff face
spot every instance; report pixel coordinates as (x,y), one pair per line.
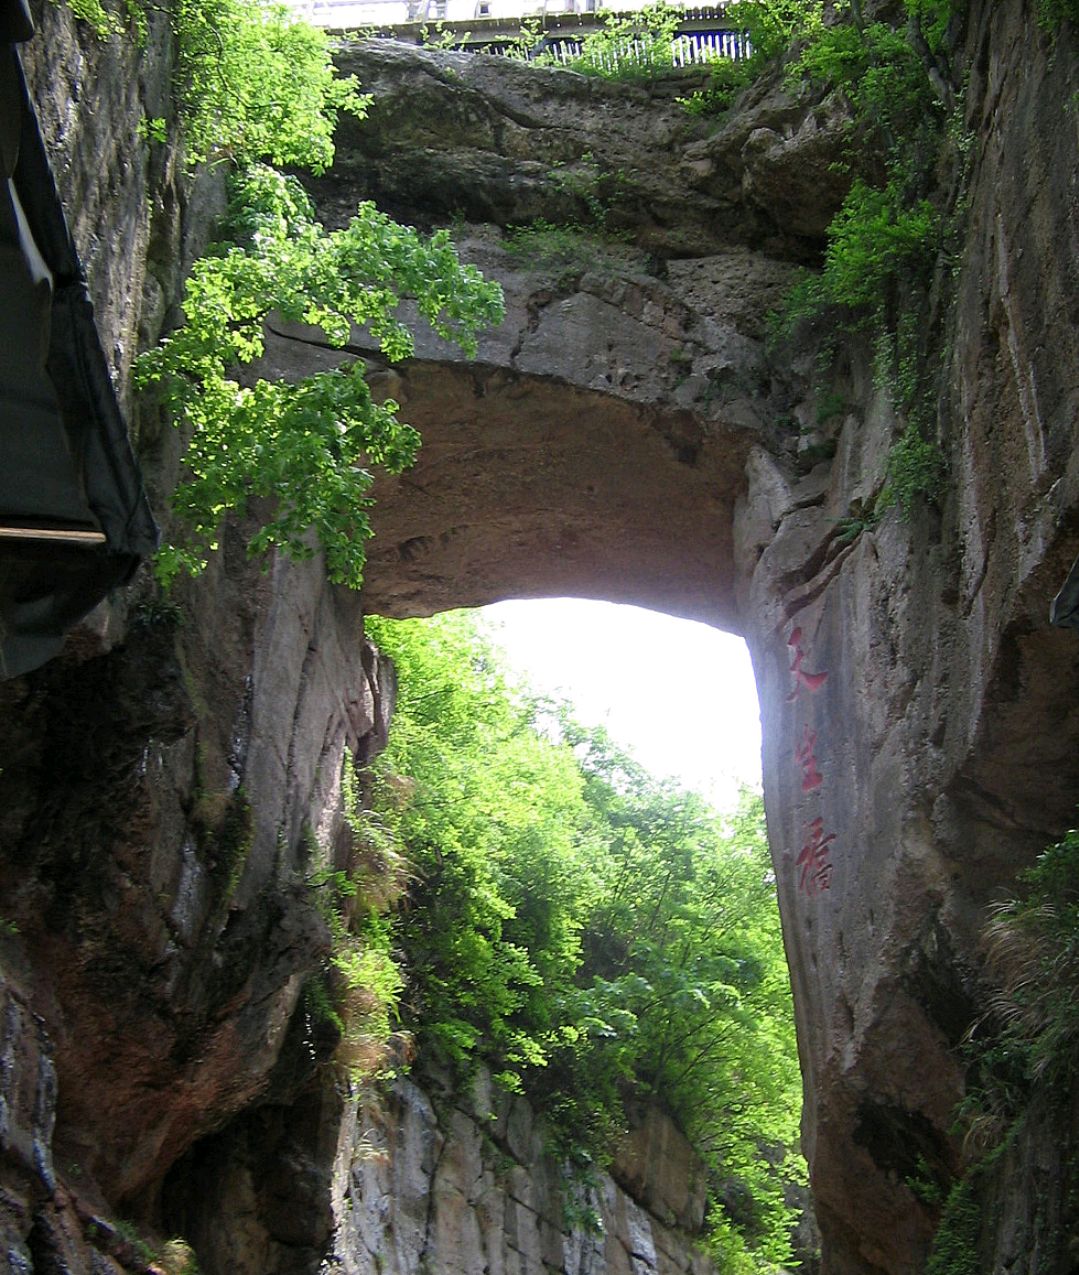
(421,1178)
(164,783)
(466,1185)
(939,737)
(167,788)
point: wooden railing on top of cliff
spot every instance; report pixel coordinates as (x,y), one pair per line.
(702,35)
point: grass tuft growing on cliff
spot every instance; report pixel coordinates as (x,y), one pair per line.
(1032,950)
(1023,1057)
(357,994)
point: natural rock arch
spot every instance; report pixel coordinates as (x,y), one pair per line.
(943,732)
(530,484)
(902,674)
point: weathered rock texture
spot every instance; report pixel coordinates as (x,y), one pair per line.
(168,786)
(598,444)
(944,732)
(166,789)
(494,140)
(459,1187)
(599,441)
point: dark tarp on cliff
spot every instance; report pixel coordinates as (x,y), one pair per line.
(74,521)
(1064,611)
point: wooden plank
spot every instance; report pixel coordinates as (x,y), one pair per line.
(54,535)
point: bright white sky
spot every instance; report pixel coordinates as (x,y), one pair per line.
(678,695)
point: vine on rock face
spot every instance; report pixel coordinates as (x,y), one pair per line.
(888,236)
(887,230)
(308,444)
(1051,13)
(356,994)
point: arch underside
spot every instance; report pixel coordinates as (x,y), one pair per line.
(528,486)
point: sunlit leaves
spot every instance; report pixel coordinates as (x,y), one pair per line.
(773,25)
(631,45)
(256,83)
(873,237)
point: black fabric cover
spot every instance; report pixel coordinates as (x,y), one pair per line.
(1064,611)
(65,459)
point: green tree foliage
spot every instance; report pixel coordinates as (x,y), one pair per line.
(1032,944)
(887,230)
(488,824)
(308,444)
(772,26)
(591,933)
(631,45)
(1051,13)
(254,83)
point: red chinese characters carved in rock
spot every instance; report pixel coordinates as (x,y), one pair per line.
(815,865)
(806,756)
(812,682)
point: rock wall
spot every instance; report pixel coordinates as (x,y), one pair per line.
(419,1179)
(937,758)
(168,787)
(470,1185)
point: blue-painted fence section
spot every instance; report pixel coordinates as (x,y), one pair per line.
(703,34)
(688,48)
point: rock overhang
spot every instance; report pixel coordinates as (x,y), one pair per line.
(596,446)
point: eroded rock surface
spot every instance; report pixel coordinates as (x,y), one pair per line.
(465,1186)
(493,140)
(596,446)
